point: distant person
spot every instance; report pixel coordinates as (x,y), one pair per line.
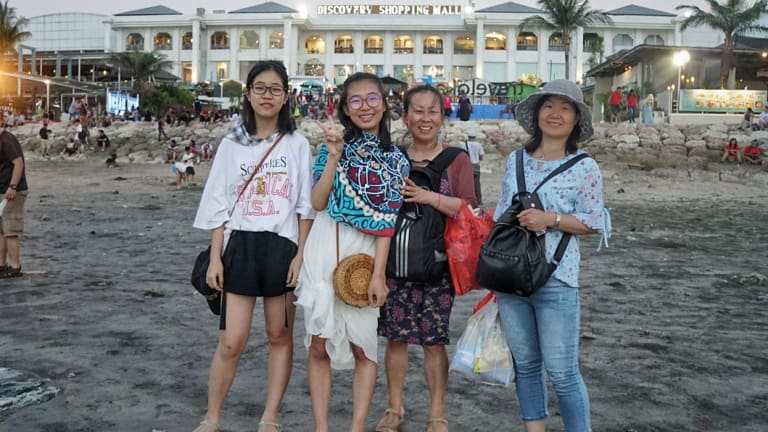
(614,100)
(161,129)
(185,169)
(732,151)
(13,188)
(763,120)
(752,153)
(648,109)
(170,152)
(447,105)
(509,109)
(71,148)
(746,122)
(206,151)
(632,106)
(476,153)
(46,137)
(112,160)
(465,108)
(102,140)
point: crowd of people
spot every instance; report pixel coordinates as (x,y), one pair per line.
(354,195)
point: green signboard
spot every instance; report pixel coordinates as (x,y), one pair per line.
(719,101)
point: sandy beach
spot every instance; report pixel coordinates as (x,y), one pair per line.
(673,326)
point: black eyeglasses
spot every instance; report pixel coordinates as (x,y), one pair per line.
(372,100)
(259,89)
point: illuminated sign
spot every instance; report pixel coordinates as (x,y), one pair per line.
(388,10)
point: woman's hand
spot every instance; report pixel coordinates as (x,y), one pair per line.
(293,271)
(535,219)
(377,291)
(417,194)
(333,138)
(214,277)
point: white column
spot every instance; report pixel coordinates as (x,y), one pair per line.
(289,50)
(678,34)
(330,70)
(607,42)
(389,46)
(578,72)
(543,67)
(264,42)
(479,48)
(197,69)
(448,39)
(357,47)
(234,65)
(107,36)
(511,53)
(418,55)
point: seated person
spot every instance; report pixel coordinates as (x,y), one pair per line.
(102,140)
(170,152)
(509,108)
(763,119)
(752,153)
(207,151)
(732,151)
(185,169)
(112,160)
(72,148)
(746,122)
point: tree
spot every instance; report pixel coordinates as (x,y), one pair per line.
(597,50)
(141,66)
(565,17)
(733,18)
(11,29)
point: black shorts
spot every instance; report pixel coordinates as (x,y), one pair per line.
(256,263)
(189,171)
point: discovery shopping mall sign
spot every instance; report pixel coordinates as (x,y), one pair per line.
(388,10)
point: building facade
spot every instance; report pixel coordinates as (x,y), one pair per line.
(447,41)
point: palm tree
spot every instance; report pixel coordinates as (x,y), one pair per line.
(565,16)
(733,18)
(141,66)
(11,29)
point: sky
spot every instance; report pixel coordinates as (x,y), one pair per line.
(31,8)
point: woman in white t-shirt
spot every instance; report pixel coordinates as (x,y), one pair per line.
(258,236)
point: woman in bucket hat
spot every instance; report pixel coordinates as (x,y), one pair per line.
(542,330)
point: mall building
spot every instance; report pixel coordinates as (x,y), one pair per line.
(449,41)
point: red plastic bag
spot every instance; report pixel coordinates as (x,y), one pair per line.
(464,235)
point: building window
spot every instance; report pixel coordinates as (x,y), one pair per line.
(592,42)
(622,41)
(433,45)
(134,41)
(341,72)
(276,40)
(249,39)
(464,45)
(314,67)
(163,42)
(403,45)
(654,40)
(221,70)
(220,40)
(556,42)
(527,41)
(186,41)
(245,69)
(374,69)
(404,73)
(186,71)
(495,41)
(373,44)
(435,71)
(344,45)
(463,73)
(315,45)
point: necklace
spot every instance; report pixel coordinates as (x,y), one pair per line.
(544,157)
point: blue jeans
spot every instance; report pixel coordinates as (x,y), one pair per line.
(543,330)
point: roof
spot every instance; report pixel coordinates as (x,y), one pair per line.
(510,7)
(154,10)
(744,42)
(633,9)
(268,7)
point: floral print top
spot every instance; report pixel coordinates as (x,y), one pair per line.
(577,192)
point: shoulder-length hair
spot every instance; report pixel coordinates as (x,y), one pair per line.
(351,131)
(423,89)
(285,123)
(571,144)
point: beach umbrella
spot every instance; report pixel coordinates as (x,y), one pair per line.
(312,84)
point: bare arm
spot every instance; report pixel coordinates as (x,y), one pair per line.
(335,144)
(377,290)
(214,277)
(18,169)
(537,220)
(295,266)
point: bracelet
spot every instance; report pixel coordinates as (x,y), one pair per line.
(557,221)
(438,200)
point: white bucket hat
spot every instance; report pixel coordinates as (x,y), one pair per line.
(525,115)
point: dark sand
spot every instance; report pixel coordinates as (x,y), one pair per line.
(673,341)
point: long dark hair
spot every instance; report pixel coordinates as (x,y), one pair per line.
(419,89)
(285,123)
(571,144)
(351,131)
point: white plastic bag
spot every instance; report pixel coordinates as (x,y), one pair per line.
(482,353)
(2,206)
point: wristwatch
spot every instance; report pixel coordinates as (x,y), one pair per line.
(13,186)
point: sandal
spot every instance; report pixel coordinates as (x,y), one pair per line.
(10,272)
(206,426)
(435,422)
(264,424)
(391,421)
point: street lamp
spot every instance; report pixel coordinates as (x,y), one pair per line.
(679,59)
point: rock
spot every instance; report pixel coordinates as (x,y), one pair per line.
(21,388)
(751,279)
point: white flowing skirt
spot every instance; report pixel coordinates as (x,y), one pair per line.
(324,314)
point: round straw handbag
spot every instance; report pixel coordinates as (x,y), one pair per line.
(351,278)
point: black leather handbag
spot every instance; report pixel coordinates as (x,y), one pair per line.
(513,259)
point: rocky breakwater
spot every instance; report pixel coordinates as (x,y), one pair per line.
(694,147)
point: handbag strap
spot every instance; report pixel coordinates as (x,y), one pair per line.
(521,187)
(337,243)
(253,174)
